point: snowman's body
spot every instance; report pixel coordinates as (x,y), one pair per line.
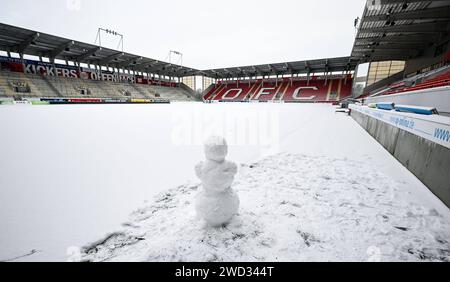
(216,203)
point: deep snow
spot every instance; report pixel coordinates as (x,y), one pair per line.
(70,174)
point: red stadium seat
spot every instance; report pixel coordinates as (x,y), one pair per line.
(316,89)
(439,81)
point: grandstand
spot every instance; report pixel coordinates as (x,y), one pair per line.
(37,86)
(48,86)
(432,79)
(315,81)
(313,89)
(70,69)
(417,33)
(414,33)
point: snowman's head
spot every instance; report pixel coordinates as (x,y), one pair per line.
(216,148)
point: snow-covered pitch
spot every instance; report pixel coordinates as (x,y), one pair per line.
(320,189)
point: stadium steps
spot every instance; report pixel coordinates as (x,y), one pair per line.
(279,94)
(5,88)
(251,92)
(140,91)
(278,86)
(51,86)
(134,91)
(114,89)
(38,90)
(167,93)
(256,91)
(208,90)
(217,92)
(63,86)
(146,90)
(183,94)
(190,92)
(11,77)
(100,89)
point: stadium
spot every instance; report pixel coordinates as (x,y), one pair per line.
(342,158)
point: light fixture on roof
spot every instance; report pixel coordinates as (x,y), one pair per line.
(176,53)
(108,31)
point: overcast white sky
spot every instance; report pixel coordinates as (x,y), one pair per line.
(210,33)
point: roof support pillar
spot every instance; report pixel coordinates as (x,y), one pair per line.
(79,67)
(23,62)
(355,76)
(101,72)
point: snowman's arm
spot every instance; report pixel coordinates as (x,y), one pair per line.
(232,168)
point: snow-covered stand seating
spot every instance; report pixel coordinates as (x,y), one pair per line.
(416,137)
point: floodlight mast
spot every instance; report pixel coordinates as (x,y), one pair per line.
(111,32)
(179,54)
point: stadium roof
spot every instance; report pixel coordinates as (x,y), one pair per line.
(24,41)
(300,67)
(389,30)
(400,29)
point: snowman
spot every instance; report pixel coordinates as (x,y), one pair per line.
(216,203)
